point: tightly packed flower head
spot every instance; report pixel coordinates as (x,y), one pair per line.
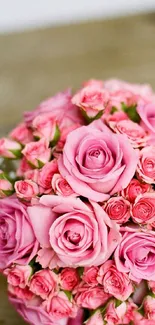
(77,214)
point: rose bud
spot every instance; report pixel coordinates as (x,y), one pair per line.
(69,278)
(143,210)
(26,190)
(10,149)
(118,209)
(21,134)
(149,307)
(114,282)
(37,153)
(46,174)
(45,126)
(6,187)
(43,283)
(61,187)
(90,275)
(146,165)
(134,189)
(18,275)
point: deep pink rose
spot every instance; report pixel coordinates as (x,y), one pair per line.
(146,165)
(21,134)
(80,234)
(90,297)
(17,240)
(97,163)
(9,148)
(34,315)
(90,275)
(26,189)
(115,315)
(44,283)
(149,307)
(134,189)
(118,209)
(136,254)
(95,319)
(143,210)
(61,187)
(147,115)
(114,282)
(45,126)
(18,275)
(69,278)
(46,174)
(59,306)
(37,153)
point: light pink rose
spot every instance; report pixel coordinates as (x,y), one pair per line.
(45,126)
(147,115)
(18,275)
(95,319)
(61,187)
(46,257)
(136,250)
(69,278)
(21,134)
(118,209)
(46,174)
(115,315)
(80,234)
(143,210)
(149,307)
(135,133)
(44,283)
(37,153)
(146,165)
(60,107)
(91,99)
(90,297)
(34,315)
(59,306)
(21,293)
(151,285)
(114,282)
(17,240)
(97,163)
(90,275)
(26,189)
(134,189)
(10,148)
(6,187)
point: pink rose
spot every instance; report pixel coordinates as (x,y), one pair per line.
(147,115)
(21,134)
(90,275)
(6,187)
(134,189)
(78,320)
(143,210)
(26,189)
(97,163)
(18,275)
(46,174)
(90,297)
(37,153)
(135,133)
(34,315)
(91,99)
(21,293)
(118,209)
(45,126)
(95,319)
(17,240)
(61,187)
(131,310)
(9,148)
(114,282)
(59,306)
(23,167)
(44,283)
(46,257)
(80,234)
(151,285)
(94,83)
(136,254)
(115,315)
(69,278)
(146,165)
(33,175)
(149,307)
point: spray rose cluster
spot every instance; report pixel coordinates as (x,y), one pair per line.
(77,217)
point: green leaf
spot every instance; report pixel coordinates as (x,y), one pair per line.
(68,294)
(56,137)
(131,112)
(113,110)
(40,163)
(89,119)
(16,153)
(80,271)
(8,193)
(3,176)
(118,303)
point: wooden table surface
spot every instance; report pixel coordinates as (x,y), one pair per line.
(34,65)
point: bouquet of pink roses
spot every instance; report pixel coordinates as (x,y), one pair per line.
(77,217)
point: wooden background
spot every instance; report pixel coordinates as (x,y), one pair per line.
(34,65)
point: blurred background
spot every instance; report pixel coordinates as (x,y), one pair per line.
(47,45)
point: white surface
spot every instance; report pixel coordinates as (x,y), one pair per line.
(23,14)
